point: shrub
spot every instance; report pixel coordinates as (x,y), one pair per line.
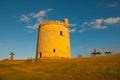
(80,56)
(29,60)
(5,60)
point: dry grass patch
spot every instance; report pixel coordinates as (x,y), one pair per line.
(91,68)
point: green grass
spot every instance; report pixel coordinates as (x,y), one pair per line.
(91,68)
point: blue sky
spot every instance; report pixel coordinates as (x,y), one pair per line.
(93,24)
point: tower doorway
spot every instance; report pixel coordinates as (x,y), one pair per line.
(40,55)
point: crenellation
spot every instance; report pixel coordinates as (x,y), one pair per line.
(53,22)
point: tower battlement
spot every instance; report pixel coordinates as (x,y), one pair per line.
(64,22)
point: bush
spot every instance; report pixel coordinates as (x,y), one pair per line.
(80,56)
(5,60)
(30,60)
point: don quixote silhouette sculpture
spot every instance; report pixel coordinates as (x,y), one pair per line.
(95,53)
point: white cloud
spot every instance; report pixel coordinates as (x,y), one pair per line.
(82,30)
(72,25)
(30,14)
(72,30)
(50,9)
(99,27)
(99,21)
(35,17)
(40,14)
(96,24)
(102,23)
(40,20)
(34,27)
(24,18)
(112,20)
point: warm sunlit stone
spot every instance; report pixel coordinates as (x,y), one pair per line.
(53,40)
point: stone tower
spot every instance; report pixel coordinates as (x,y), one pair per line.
(53,40)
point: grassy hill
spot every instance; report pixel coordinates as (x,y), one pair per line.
(90,68)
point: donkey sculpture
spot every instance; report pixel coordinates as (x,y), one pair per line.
(107,53)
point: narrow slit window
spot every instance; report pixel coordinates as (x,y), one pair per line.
(54,50)
(61,33)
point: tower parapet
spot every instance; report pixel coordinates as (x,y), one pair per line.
(64,23)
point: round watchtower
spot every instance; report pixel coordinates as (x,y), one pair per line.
(53,40)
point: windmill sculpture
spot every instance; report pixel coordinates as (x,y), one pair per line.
(12,56)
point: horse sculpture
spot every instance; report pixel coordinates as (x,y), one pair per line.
(107,52)
(95,53)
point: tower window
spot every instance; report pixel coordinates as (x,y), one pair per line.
(54,50)
(61,33)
